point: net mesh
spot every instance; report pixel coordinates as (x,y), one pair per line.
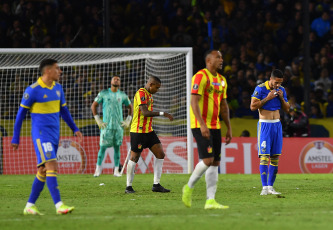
(84,76)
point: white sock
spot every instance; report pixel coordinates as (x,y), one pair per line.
(57,205)
(116,170)
(28,205)
(130,172)
(199,170)
(211,181)
(158,164)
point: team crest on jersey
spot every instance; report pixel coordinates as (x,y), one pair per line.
(223,83)
(143,99)
(195,86)
(58,93)
(256,93)
(209,149)
(139,146)
(119,99)
(26,96)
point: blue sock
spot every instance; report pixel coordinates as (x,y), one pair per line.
(52,184)
(37,188)
(272,170)
(263,173)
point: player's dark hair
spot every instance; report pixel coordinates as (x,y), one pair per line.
(155,79)
(277,73)
(207,53)
(46,62)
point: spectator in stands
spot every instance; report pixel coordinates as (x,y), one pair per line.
(322,24)
(297,124)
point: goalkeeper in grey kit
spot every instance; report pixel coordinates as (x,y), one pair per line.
(112,126)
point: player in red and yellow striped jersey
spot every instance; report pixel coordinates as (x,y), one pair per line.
(208,102)
(143,135)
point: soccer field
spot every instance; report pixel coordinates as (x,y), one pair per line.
(306,203)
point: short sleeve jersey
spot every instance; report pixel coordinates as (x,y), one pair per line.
(213,89)
(44,104)
(140,123)
(112,106)
(261,92)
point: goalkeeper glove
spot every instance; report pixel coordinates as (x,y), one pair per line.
(127,121)
(100,123)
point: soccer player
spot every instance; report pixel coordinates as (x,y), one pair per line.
(46,101)
(208,103)
(111,126)
(268,98)
(143,136)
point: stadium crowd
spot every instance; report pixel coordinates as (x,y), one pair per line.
(254,37)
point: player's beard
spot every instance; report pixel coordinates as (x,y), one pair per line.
(116,86)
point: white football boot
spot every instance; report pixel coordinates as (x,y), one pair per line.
(116,172)
(264,191)
(98,170)
(271,190)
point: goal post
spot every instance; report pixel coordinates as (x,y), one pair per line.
(86,71)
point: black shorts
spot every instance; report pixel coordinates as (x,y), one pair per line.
(209,148)
(140,141)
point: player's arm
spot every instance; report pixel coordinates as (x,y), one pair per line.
(126,123)
(17,127)
(284,104)
(257,103)
(196,111)
(65,114)
(100,123)
(146,113)
(226,118)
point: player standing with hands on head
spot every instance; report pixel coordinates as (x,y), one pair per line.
(143,136)
(46,101)
(268,98)
(208,102)
(111,126)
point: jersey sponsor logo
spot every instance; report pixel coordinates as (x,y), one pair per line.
(195,86)
(256,93)
(216,83)
(71,157)
(45,96)
(26,96)
(317,157)
(58,93)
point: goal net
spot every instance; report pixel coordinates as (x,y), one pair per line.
(85,73)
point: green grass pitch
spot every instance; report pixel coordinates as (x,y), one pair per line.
(306,202)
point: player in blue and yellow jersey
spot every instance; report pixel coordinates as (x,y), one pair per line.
(268,98)
(111,126)
(143,136)
(46,102)
(208,103)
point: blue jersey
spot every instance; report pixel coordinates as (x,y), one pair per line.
(261,92)
(44,104)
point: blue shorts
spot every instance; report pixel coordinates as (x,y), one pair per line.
(45,151)
(269,137)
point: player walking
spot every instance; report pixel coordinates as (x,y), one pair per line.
(208,101)
(112,125)
(46,101)
(268,98)
(143,136)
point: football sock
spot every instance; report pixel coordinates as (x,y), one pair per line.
(130,172)
(199,170)
(158,164)
(272,170)
(37,188)
(263,174)
(116,155)
(101,154)
(52,184)
(211,181)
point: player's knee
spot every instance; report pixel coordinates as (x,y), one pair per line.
(274,161)
(263,160)
(160,155)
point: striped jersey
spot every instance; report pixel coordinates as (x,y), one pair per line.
(212,90)
(261,92)
(44,104)
(141,124)
(113,107)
